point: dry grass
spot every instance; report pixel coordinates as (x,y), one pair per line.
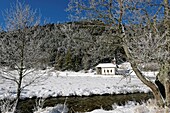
(150,107)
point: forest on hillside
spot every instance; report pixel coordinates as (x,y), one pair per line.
(74,45)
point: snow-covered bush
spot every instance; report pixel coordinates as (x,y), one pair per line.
(39,103)
(6,106)
(60,108)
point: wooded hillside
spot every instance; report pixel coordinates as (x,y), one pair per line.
(77,45)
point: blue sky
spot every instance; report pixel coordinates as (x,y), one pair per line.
(53,10)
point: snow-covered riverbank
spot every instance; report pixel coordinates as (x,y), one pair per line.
(55,83)
(129,107)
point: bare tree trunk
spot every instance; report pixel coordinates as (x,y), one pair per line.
(165,78)
(167,91)
(164,75)
(18,91)
(19,84)
(147,82)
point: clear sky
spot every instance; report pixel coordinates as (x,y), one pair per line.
(53,10)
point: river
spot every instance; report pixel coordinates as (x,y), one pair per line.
(85,103)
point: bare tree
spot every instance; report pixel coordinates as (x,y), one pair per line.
(138,24)
(20,46)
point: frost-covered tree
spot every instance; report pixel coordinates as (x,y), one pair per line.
(20,46)
(142,28)
(85,40)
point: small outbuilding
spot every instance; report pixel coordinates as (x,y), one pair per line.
(106,68)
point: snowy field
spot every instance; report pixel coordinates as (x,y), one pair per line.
(54,83)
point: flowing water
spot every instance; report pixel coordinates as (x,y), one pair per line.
(84,104)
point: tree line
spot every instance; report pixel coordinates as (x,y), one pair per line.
(72,46)
(81,45)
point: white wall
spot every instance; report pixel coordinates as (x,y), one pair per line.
(108,71)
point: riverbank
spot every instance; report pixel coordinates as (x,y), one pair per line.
(54,83)
(68,84)
(86,103)
(129,107)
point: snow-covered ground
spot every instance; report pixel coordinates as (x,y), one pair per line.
(129,107)
(55,83)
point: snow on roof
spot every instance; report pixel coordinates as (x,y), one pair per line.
(106,65)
